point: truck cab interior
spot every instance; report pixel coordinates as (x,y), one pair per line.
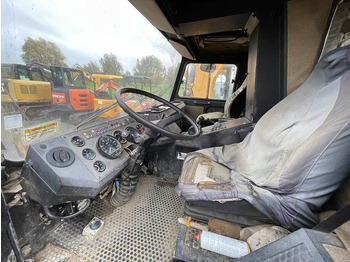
(255,134)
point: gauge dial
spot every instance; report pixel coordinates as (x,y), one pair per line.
(78,141)
(118,135)
(88,153)
(109,147)
(99,166)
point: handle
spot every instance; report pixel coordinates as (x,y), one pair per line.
(196,102)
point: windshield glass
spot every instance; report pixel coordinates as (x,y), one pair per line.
(78,63)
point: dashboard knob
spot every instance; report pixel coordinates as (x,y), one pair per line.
(64,156)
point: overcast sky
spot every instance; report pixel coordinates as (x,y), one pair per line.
(84,30)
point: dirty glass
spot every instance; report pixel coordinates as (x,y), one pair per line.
(36,75)
(6,72)
(23,73)
(63,53)
(208,81)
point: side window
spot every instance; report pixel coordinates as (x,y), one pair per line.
(67,78)
(36,75)
(57,77)
(208,81)
(77,79)
(6,72)
(23,73)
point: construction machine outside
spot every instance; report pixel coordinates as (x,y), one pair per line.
(70,97)
(106,86)
(24,90)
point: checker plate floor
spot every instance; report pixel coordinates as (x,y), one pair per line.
(145,229)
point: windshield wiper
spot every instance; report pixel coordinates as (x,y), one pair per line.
(96,114)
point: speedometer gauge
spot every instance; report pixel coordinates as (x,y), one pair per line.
(109,147)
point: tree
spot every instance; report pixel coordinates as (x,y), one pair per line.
(42,51)
(171,74)
(152,67)
(110,65)
(92,67)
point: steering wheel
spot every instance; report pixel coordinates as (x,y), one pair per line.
(160,126)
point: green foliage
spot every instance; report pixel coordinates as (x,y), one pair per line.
(92,67)
(171,74)
(110,65)
(152,67)
(90,85)
(42,51)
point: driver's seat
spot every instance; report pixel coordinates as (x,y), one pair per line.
(289,166)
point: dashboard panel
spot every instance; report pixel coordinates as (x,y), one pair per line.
(105,146)
(79,165)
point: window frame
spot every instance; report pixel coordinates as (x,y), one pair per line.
(207,98)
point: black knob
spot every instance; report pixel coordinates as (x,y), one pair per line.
(64,156)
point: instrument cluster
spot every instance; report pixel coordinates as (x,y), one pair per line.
(110,144)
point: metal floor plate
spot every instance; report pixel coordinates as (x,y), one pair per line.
(145,229)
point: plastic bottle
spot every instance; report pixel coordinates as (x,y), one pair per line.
(222,245)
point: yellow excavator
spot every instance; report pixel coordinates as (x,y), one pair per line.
(24,90)
(203,80)
(105,87)
(103,92)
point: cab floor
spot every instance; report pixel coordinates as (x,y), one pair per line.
(145,229)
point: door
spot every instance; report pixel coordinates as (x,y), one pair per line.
(205,87)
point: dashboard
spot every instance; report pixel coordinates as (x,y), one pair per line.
(105,149)
(80,164)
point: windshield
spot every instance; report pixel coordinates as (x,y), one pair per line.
(78,63)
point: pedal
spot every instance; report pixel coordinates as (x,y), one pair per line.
(92,229)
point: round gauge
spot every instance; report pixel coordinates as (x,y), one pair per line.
(78,141)
(99,166)
(109,147)
(88,153)
(133,130)
(118,135)
(140,128)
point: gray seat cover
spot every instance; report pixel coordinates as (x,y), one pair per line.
(297,155)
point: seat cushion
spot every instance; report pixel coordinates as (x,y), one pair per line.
(205,179)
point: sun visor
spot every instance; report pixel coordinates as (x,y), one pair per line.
(181,49)
(215,25)
(151,11)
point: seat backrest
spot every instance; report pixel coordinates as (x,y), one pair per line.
(301,147)
(232,98)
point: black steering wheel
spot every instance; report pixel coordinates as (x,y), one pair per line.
(160,126)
